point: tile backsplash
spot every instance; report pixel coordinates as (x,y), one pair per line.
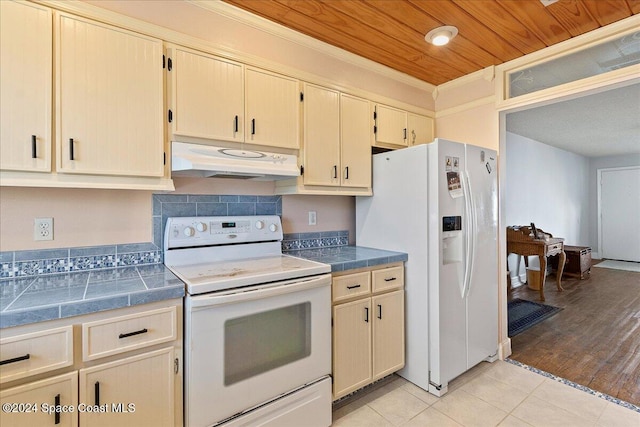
(65,260)
(168,205)
(324,239)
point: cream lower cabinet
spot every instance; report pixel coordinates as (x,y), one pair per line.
(48,402)
(127,370)
(136,391)
(368,326)
(352,358)
(388,333)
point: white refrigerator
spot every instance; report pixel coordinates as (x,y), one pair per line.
(438,203)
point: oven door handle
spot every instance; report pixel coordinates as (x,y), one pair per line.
(281,288)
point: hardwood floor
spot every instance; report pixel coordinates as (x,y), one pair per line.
(595,340)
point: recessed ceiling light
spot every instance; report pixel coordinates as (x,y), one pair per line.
(441,35)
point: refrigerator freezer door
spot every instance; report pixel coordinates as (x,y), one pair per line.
(447,309)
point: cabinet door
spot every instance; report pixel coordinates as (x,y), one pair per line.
(208,96)
(321,136)
(46,395)
(110,103)
(391,125)
(272,104)
(351,346)
(25,87)
(388,333)
(355,136)
(136,391)
(420,129)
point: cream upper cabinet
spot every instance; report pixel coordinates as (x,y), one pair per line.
(419,129)
(352,362)
(39,400)
(138,391)
(25,86)
(321,136)
(109,105)
(388,333)
(355,131)
(207,96)
(272,104)
(390,126)
(336,138)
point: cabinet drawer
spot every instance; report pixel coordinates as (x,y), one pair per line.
(351,285)
(29,354)
(118,335)
(388,278)
(554,249)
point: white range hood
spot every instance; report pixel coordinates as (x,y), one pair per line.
(204,161)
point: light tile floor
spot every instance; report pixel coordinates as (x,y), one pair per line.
(491,394)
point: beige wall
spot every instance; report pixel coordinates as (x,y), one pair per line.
(477,125)
(80,217)
(332,213)
(466,112)
(222,186)
(104,217)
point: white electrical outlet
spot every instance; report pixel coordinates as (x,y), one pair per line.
(312,218)
(43,229)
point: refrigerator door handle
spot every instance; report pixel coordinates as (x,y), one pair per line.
(473,220)
(468,233)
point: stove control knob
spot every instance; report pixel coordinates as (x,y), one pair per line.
(201,226)
(259,225)
(273,228)
(189,231)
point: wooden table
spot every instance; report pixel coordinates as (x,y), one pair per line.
(520,240)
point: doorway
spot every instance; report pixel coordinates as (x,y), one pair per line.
(588,342)
(618,207)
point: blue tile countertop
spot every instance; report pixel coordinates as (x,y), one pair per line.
(349,257)
(55,296)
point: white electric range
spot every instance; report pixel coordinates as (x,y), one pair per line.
(257,324)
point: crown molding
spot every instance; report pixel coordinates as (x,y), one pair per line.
(466,106)
(257,22)
(487,74)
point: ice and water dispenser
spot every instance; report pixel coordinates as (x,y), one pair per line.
(452,248)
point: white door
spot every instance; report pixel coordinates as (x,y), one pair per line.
(619,219)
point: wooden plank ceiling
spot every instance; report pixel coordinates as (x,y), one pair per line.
(391,32)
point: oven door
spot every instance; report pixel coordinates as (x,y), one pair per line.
(245,348)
